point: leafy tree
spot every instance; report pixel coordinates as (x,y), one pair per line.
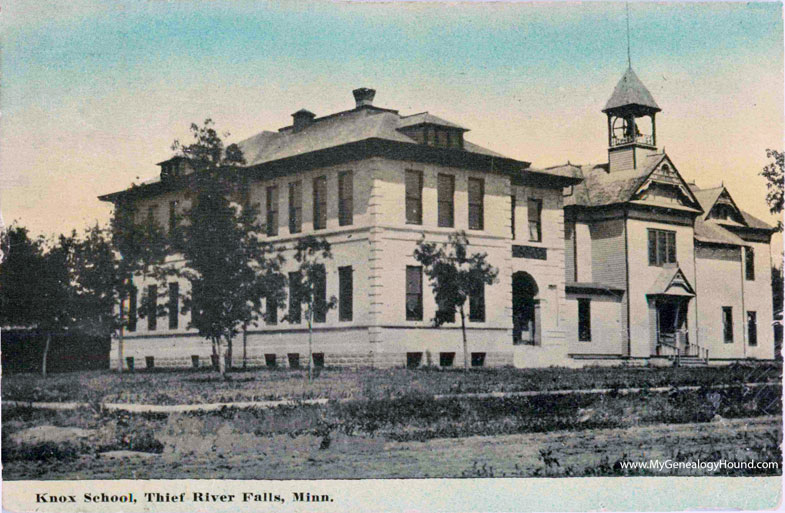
(139,244)
(309,289)
(775,183)
(455,276)
(35,286)
(229,269)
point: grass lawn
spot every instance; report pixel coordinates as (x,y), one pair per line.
(204,386)
(411,435)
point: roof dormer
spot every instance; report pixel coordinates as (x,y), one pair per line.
(433,131)
(174,167)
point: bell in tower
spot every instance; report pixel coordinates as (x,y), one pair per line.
(631,128)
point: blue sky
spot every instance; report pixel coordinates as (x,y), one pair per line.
(94,93)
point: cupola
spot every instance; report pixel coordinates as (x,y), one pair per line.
(632,131)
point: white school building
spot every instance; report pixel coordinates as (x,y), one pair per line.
(621,262)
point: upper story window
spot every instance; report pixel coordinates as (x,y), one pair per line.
(172,215)
(272,210)
(477,306)
(749,263)
(151,222)
(296,207)
(476,194)
(534,213)
(662,247)
(320,203)
(413,197)
(446,200)
(345,198)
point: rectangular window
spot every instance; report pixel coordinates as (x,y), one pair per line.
(151,217)
(172,215)
(727,324)
(345,293)
(477,306)
(345,198)
(752,328)
(534,214)
(132,292)
(296,207)
(512,216)
(749,263)
(446,200)
(584,320)
(271,311)
(295,307)
(320,203)
(413,197)
(662,247)
(413,293)
(272,210)
(320,295)
(174,305)
(476,193)
(152,307)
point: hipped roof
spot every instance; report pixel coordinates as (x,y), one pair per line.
(631,91)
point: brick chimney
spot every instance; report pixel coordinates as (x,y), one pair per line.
(302,118)
(364,96)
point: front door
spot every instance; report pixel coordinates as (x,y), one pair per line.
(672,325)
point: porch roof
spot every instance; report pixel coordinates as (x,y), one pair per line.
(671,282)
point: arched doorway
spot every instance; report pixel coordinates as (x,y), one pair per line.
(525,309)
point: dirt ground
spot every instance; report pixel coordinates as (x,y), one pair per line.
(231,455)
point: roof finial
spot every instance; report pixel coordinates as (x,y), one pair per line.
(629,58)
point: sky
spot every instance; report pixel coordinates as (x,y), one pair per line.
(94,93)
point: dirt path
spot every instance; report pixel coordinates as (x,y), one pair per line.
(184,408)
(574,453)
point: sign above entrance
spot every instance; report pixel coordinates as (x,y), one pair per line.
(532,252)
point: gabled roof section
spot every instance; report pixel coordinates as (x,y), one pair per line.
(602,188)
(671,282)
(716,231)
(631,91)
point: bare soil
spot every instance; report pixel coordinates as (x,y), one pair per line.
(228,454)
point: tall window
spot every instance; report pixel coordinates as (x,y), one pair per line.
(413,293)
(727,324)
(345,293)
(320,295)
(174,305)
(320,203)
(584,320)
(296,207)
(413,197)
(172,215)
(132,292)
(662,247)
(476,193)
(151,217)
(295,307)
(752,328)
(345,198)
(749,263)
(477,306)
(272,210)
(512,215)
(271,307)
(446,200)
(152,307)
(534,213)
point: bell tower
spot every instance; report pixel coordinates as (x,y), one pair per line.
(632,130)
